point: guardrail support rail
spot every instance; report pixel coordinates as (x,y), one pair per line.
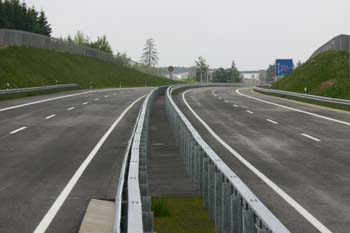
(231,204)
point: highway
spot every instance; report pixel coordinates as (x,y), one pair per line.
(59,151)
(293,156)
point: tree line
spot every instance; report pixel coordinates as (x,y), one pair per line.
(17,15)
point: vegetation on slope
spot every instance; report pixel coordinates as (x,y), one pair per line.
(324,75)
(28,67)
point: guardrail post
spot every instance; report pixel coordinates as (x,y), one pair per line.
(218,201)
(206,182)
(147,220)
(248,220)
(236,212)
(201,172)
(211,179)
(226,207)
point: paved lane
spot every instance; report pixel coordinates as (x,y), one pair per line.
(38,161)
(306,156)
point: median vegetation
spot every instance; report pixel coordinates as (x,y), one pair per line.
(27,67)
(325,75)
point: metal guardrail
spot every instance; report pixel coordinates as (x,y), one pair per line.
(304,96)
(133,204)
(232,205)
(35,89)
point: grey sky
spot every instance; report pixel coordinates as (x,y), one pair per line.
(252,32)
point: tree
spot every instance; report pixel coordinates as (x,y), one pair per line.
(45,27)
(236,76)
(102,44)
(270,73)
(81,39)
(298,64)
(202,69)
(150,53)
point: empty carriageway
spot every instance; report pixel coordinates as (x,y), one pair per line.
(293,156)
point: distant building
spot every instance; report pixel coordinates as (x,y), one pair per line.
(251,77)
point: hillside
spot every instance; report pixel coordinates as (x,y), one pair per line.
(27,67)
(324,75)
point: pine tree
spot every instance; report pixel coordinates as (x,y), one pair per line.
(45,27)
(150,53)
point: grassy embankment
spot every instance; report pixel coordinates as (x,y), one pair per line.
(324,75)
(29,67)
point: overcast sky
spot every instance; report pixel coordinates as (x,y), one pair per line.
(252,32)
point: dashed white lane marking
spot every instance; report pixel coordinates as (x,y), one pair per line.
(18,130)
(96,99)
(226,101)
(50,215)
(271,121)
(106,96)
(310,137)
(51,116)
(250,112)
(235,105)
(85,103)
(301,210)
(69,109)
(290,108)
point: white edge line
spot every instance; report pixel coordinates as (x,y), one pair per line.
(17,130)
(308,216)
(49,117)
(273,122)
(290,108)
(46,100)
(50,215)
(310,137)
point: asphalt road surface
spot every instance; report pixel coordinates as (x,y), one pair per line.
(303,149)
(43,142)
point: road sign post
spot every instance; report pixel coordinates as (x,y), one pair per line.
(171,70)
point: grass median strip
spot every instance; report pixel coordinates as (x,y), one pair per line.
(181,215)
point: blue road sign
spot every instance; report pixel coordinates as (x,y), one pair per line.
(284,67)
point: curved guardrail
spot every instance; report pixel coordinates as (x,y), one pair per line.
(133,204)
(304,96)
(34,89)
(232,205)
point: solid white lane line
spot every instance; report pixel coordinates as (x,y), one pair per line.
(293,109)
(310,137)
(46,100)
(85,103)
(71,108)
(18,130)
(250,112)
(51,116)
(45,222)
(235,105)
(273,122)
(308,216)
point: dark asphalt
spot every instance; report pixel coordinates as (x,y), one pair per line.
(37,163)
(315,174)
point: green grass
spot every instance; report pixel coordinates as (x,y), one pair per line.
(28,67)
(324,75)
(181,215)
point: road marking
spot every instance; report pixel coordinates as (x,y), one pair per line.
(51,116)
(250,112)
(69,109)
(106,96)
(308,216)
(96,99)
(50,215)
(226,101)
(17,130)
(290,108)
(46,100)
(85,103)
(310,137)
(235,105)
(114,94)
(220,98)
(273,122)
